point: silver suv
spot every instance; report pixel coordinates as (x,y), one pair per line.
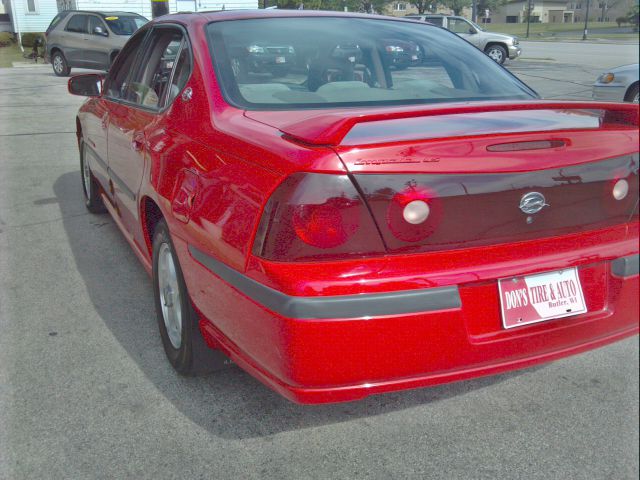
(88,39)
(498,46)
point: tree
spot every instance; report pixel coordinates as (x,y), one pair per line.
(422,5)
(456,5)
(633,16)
(491,5)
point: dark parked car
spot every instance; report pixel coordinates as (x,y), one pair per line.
(88,39)
(402,54)
(263,57)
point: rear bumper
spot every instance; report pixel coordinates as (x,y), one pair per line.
(331,348)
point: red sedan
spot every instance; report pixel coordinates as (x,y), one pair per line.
(341,227)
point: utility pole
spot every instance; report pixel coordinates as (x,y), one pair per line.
(586,20)
(474,11)
(528,17)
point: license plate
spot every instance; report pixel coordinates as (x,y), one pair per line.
(281,60)
(537,298)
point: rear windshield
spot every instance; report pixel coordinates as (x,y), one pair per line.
(319,62)
(125,24)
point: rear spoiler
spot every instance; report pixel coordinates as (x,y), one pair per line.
(330,129)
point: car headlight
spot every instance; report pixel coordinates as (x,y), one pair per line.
(516,40)
(606,78)
(255,49)
(291,50)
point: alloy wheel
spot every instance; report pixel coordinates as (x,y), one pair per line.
(170,301)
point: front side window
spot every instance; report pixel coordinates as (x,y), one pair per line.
(125,24)
(457,25)
(96,26)
(77,24)
(321,62)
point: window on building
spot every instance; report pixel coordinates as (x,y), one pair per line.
(31,6)
(399,6)
(512,19)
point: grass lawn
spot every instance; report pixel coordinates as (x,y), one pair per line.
(10,54)
(545,30)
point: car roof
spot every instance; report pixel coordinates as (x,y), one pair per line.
(219,15)
(104,13)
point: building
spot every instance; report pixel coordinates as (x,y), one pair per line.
(601,10)
(542,11)
(560,11)
(36,15)
(401,9)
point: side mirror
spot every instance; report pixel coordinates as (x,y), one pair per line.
(472,30)
(100,31)
(86,85)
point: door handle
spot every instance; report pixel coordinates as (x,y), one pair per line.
(138,142)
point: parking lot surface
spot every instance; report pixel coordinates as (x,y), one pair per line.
(85,390)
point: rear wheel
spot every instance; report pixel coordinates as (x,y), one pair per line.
(90,187)
(177,320)
(497,53)
(633,94)
(60,66)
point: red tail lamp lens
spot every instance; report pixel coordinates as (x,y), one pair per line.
(323,226)
(316,216)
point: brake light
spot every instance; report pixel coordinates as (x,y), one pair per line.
(316,216)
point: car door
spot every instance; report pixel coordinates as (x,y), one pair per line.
(143,98)
(74,43)
(96,126)
(96,45)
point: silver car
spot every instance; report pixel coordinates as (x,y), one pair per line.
(88,39)
(498,46)
(619,84)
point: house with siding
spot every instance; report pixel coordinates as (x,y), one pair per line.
(36,15)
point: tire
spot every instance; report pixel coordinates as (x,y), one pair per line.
(183,343)
(59,63)
(90,187)
(497,53)
(632,94)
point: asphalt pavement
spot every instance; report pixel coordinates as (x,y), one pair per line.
(85,390)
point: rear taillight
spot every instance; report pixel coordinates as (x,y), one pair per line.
(316,216)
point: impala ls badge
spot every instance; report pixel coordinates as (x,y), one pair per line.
(532,202)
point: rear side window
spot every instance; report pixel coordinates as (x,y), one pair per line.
(77,24)
(118,86)
(150,84)
(439,21)
(181,73)
(56,20)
